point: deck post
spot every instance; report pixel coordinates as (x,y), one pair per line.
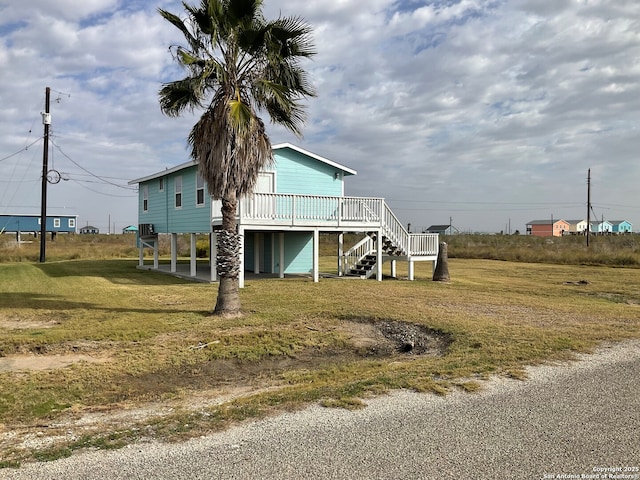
(193,263)
(379,255)
(393,268)
(241,255)
(281,263)
(213,253)
(141,259)
(340,254)
(156,245)
(256,253)
(174,252)
(293,210)
(411,268)
(316,255)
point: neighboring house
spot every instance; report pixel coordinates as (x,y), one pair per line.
(442,229)
(621,226)
(547,228)
(601,227)
(130,229)
(297,198)
(19,223)
(577,227)
(89,230)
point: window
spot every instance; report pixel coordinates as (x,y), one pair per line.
(199,190)
(72,223)
(178,191)
(56,223)
(161,184)
(145,198)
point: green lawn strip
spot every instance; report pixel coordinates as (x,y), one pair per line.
(161,343)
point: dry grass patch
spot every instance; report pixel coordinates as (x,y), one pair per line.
(336,342)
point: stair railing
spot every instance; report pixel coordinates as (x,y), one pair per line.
(351,257)
(395,231)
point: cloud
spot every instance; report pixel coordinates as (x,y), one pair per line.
(484,110)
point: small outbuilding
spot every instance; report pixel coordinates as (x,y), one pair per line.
(442,229)
(89,230)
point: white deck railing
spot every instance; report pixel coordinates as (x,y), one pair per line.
(364,213)
(305,210)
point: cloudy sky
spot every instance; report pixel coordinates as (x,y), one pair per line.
(488,112)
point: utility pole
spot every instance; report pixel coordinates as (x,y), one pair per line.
(46,120)
(588,205)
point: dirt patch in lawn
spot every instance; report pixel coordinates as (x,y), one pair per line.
(367,338)
(22,323)
(389,337)
(18,363)
(207,384)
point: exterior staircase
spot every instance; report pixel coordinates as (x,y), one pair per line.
(365,265)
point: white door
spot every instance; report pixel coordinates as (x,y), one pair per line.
(265,183)
(259,205)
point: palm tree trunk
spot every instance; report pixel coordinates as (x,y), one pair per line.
(228,261)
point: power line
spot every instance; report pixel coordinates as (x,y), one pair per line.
(103,179)
(444,202)
(21,150)
(87,175)
(101,193)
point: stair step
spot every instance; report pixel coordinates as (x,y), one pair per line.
(362,268)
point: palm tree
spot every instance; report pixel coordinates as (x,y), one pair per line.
(237,65)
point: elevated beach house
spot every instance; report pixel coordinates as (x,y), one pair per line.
(300,196)
(621,226)
(548,228)
(31,223)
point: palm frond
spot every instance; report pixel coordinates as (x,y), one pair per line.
(293,36)
(179,24)
(240,116)
(241,65)
(180,95)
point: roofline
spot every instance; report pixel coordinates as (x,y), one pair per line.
(164,172)
(547,222)
(38,215)
(280,146)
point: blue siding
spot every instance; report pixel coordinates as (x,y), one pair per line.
(31,223)
(297,173)
(161,209)
(266,245)
(298,252)
(269,260)
(249,250)
(622,227)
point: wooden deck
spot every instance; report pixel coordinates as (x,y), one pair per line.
(277,211)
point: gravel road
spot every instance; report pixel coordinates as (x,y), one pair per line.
(580,420)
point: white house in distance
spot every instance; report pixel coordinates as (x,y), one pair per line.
(577,227)
(297,198)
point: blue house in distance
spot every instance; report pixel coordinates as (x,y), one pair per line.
(21,223)
(295,199)
(621,226)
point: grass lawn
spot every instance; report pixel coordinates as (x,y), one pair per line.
(123,340)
